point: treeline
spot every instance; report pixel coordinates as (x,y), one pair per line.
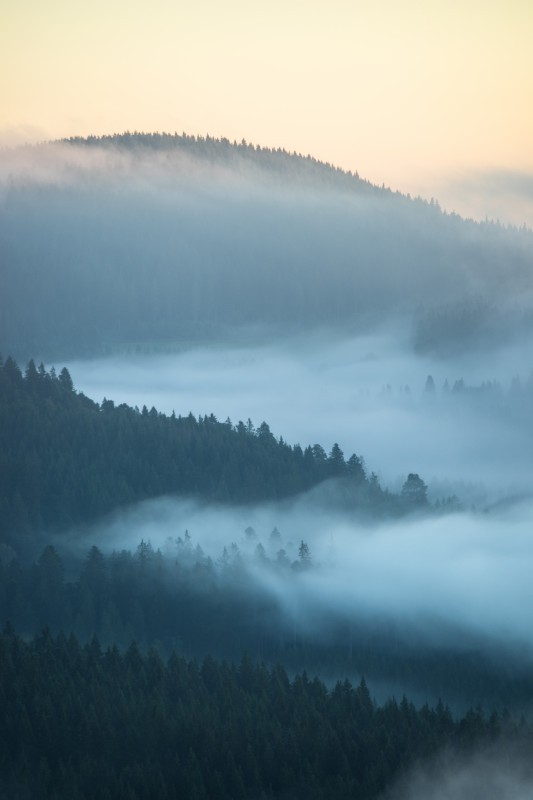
(66,459)
(518,390)
(277,161)
(512,400)
(79,722)
(185,600)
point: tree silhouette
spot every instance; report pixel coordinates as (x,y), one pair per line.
(414,491)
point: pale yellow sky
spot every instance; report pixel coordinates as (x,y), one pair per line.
(422,96)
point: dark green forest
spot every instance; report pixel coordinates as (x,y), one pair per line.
(66,459)
(84,722)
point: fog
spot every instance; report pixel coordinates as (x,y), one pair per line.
(366,393)
(453,579)
(457,577)
(487,775)
(506,195)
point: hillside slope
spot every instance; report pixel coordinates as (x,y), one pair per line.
(151,238)
(65,459)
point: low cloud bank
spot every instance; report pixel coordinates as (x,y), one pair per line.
(444,579)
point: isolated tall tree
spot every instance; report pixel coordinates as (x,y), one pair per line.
(336,460)
(66,380)
(304,554)
(356,469)
(414,492)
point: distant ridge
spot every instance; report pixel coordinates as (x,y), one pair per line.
(222,149)
(169,239)
(291,165)
(278,160)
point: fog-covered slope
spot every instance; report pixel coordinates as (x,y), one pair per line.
(139,238)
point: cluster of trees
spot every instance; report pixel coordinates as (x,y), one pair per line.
(66,459)
(517,392)
(79,722)
(183,600)
(455,399)
(488,393)
(512,402)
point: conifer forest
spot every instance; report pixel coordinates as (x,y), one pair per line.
(265,481)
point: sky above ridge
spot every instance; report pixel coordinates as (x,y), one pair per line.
(430,98)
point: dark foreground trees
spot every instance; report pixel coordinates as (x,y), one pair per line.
(187,601)
(79,722)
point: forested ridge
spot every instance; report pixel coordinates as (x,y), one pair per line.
(81,722)
(180,599)
(161,240)
(275,161)
(66,459)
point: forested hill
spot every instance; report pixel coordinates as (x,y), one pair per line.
(235,155)
(81,723)
(67,459)
(118,241)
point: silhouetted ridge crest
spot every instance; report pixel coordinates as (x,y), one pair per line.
(232,154)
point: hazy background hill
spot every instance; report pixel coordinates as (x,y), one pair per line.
(123,240)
